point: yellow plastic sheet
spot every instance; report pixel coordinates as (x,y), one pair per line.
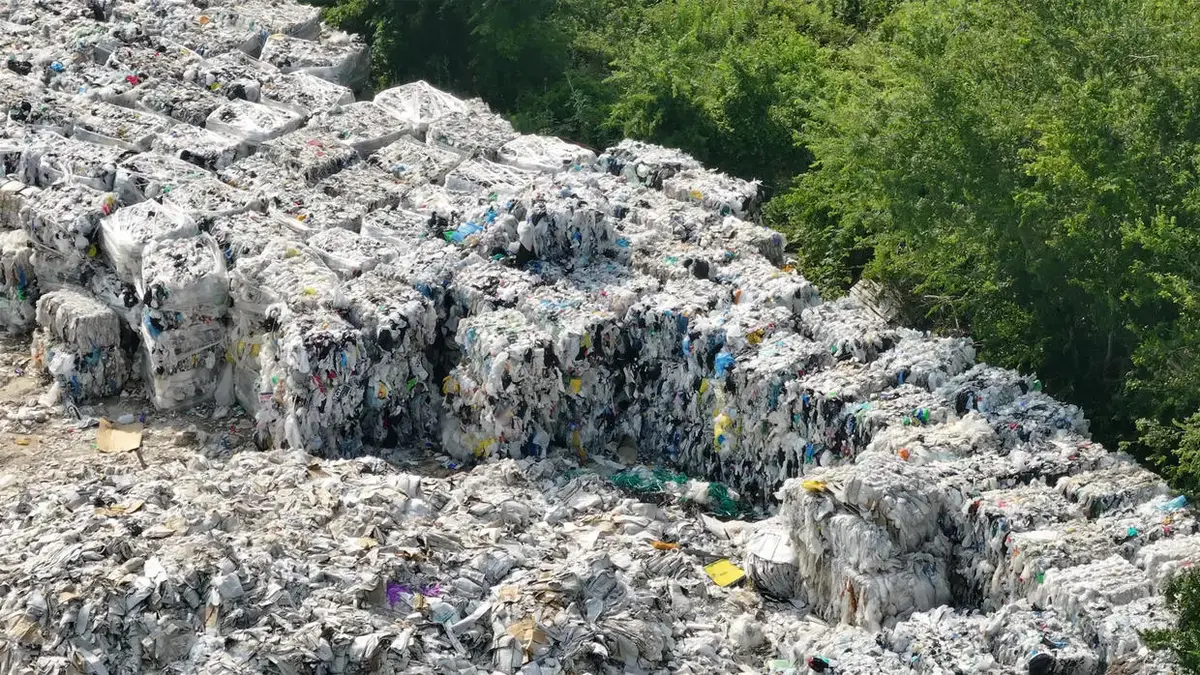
(724,573)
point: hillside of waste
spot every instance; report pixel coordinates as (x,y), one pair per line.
(398,389)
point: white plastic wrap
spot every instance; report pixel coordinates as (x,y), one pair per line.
(364,126)
(204,148)
(546,154)
(125,234)
(252,123)
(335,56)
(415,163)
(184,275)
(418,104)
(349,253)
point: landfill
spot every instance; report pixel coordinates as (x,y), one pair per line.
(296,379)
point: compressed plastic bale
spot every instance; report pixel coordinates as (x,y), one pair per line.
(163,61)
(475,176)
(261,178)
(644,163)
(401,399)
(306,214)
(844,649)
(316,367)
(252,123)
(364,126)
(714,191)
(1036,416)
(923,360)
(561,224)
(74,318)
(415,163)
(1118,635)
(1113,489)
(984,388)
(14,197)
(500,397)
(418,104)
(206,199)
(102,282)
(185,275)
(771,563)
(349,253)
(303,94)
(334,56)
(942,640)
(759,283)
(181,101)
(849,331)
(20,290)
(204,148)
(1089,593)
(545,154)
(474,131)
(745,239)
(366,185)
(244,235)
(398,228)
(1025,637)
(149,175)
(232,74)
(125,234)
(35,108)
(182,358)
(52,159)
(106,124)
(309,156)
(65,219)
(1168,557)
(79,344)
(284,272)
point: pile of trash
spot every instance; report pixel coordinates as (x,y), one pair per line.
(195,207)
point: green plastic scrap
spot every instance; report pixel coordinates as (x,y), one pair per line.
(640,479)
(720,503)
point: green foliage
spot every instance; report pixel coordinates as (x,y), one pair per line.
(1183,596)
(1008,165)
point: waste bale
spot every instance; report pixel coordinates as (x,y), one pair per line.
(184,102)
(204,148)
(65,220)
(1090,593)
(362,125)
(125,234)
(315,365)
(942,640)
(244,235)
(645,163)
(149,175)
(349,253)
(309,155)
(185,275)
(206,199)
(50,159)
(19,288)
(399,228)
(715,191)
(415,163)
(303,94)
(417,104)
(111,125)
(545,154)
(333,55)
(501,397)
(307,212)
(472,130)
(399,327)
(366,185)
(78,344)
(476,176)
(252,123)
(182,356)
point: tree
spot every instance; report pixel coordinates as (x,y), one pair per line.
(1182,593)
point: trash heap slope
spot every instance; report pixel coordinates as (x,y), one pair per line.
(198,201)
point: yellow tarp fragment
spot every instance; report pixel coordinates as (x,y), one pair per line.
(724,573)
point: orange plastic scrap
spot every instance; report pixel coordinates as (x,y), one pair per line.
(664,545)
